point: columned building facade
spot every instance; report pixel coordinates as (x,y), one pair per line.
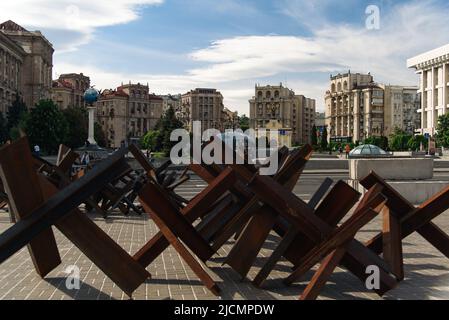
(37,62)
(433,69)
(354,108)
(11,63)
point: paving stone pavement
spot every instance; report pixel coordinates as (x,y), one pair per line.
(427,271)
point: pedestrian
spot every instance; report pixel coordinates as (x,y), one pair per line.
(347,150)
(340,150)
(37,150)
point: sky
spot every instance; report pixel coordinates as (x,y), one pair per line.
(179,45)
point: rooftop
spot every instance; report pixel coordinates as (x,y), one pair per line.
(426,57)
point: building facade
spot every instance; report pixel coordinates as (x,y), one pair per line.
(11,64)
(291,111)
(69,90)
(230,119)
(171,101)
(401,109)
(433,69)
(354,108)
(128,113)
(201,104)
(35,70)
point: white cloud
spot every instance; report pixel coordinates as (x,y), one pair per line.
(233,65)
(77,20)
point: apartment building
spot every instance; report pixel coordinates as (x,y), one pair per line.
(204,105)
(69,90)
(293,113)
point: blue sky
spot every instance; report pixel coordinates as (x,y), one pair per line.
(177,45)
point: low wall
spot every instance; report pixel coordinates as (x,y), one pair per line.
(392,168)
(416,192)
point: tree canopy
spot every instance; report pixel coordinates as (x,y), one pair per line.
(46,126)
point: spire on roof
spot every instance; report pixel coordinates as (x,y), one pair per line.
(11,26)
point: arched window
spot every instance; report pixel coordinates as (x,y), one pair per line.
(276,94)
(339,87)
(268,94)
(333,87)
(345,85)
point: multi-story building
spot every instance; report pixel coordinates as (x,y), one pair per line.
(401,109)
(69,90)
(354,108)
(11,63)
(433,68)
(33,66)
(230,119)
(201,104)
(294,113)
(128,112)
(171,101)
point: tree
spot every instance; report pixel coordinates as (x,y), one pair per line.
(415,142)
(165,126)
(100,135)
(399,140)
(150,141)
(3,129)
(381,142)
(77,130)
(314,136)
(244,123)
(443,131)
(46,126)
(16,113)
(324,143)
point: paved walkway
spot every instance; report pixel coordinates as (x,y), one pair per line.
(427,271)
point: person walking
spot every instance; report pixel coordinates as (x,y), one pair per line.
(347,150)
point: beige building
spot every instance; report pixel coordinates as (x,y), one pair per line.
(171,101)
(11,63)
(283,136)
(281,104)
(433,69)
(69,90)
(127,113)
(201,104)
(33,67)
(401,109)
(354,108)
(230,119)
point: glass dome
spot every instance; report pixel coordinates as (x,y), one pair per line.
(367,150)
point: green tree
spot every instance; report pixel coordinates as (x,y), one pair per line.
(77,121)
(399,140)
(3,129)
(150,141)
(443,131)
(46,126)
(415,142)
(314,137)
(16,113)
(166,125)
(100,135)
(324,143)
(244,123)
(381,142)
